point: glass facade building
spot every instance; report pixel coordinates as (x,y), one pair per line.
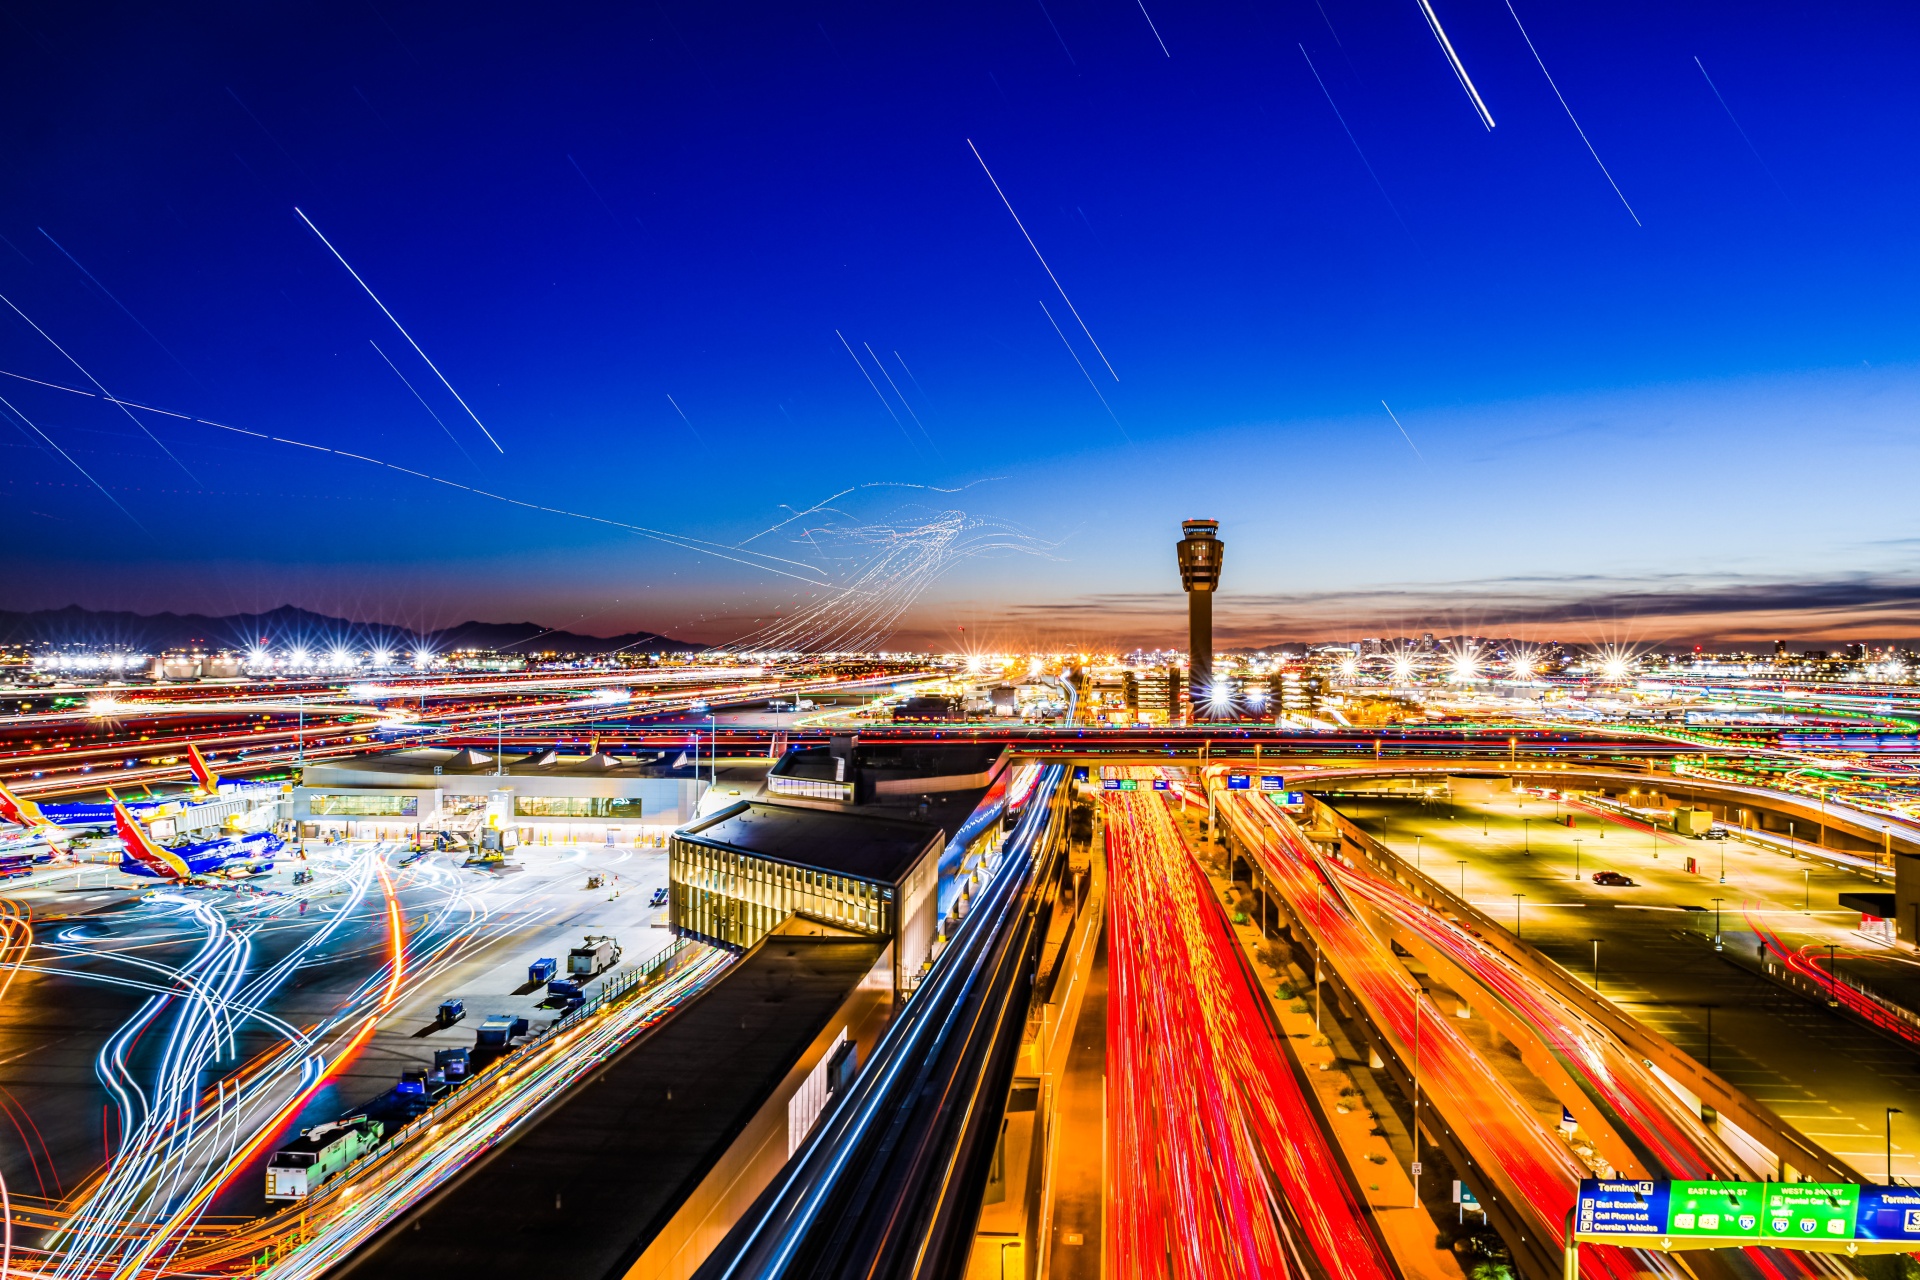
(734,899)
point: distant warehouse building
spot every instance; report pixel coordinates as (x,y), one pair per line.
(544,797)
(754,867)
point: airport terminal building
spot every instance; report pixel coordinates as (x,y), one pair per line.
(754,868)
(543,797)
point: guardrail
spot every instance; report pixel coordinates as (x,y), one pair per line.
(645,974)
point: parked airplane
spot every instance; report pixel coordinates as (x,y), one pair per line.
(62,819)
(144,856)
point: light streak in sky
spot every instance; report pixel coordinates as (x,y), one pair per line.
(1453,60)
(1569,110)
(879,364)
(1042,257)
(720,550)
(1151,27)
(402,328)
(105,394)
(689,421)
(1083,369)
(876,389)
(35,427)
(423,401)
(123,306)
(1736,123)
(1356,142)
(1403,432)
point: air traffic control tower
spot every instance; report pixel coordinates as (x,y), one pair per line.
(1200,551)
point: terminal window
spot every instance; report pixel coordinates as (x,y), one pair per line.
(736,899)
(575,807)
(325,806)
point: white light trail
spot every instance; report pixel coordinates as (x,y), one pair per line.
(1403,432)
(1043,260)
(1151,27)
(1083,369)
(104,394)
(1569,110)
(1453,60)
(403,330)
(762,561)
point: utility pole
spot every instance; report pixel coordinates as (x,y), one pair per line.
(1891,1113)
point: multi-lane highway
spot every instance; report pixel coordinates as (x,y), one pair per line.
(1218,1165)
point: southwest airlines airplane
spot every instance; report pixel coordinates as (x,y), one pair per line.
(142,855)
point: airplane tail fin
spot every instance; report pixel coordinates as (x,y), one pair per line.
(22,813)
(209,781)
(141,853)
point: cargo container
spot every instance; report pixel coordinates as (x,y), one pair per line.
(453,1062)
(562,989)
(543,969)
(451,1011)
(500,1030)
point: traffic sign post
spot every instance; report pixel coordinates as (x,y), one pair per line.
(1826,1217)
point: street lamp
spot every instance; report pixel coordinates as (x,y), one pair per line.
(1516,913)
(1596,966)
(1526,833)
(1463,882)
(1716,923)
(1891,1113)
(1576,861)
(1833,978)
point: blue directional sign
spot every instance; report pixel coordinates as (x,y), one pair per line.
(1110,784)
(1888,1213)
(1612,1207)
(1270,782)
(1161,784)
(1239,782)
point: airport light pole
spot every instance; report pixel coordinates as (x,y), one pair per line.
(1716,922)
(1516,913)
(1463,881)
(1576,861)
(1596,966)
(1891,1113)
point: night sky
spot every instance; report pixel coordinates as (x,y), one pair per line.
(691,265)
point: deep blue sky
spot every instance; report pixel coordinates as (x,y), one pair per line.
(580,211)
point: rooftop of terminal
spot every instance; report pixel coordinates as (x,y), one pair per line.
(865,846)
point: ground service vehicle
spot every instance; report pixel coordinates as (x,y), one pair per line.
(317,1154)
(598,955)
(543,969)
(451,1011)
(453,1062)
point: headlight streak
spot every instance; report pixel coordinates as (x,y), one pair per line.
(178,1144)
(1537,1173)
(352,1213)
(163,1146)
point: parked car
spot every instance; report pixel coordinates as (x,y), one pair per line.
(1613,878)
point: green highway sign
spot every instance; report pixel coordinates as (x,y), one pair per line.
(1715,1209)
(1838,1217)
(1811,1210)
